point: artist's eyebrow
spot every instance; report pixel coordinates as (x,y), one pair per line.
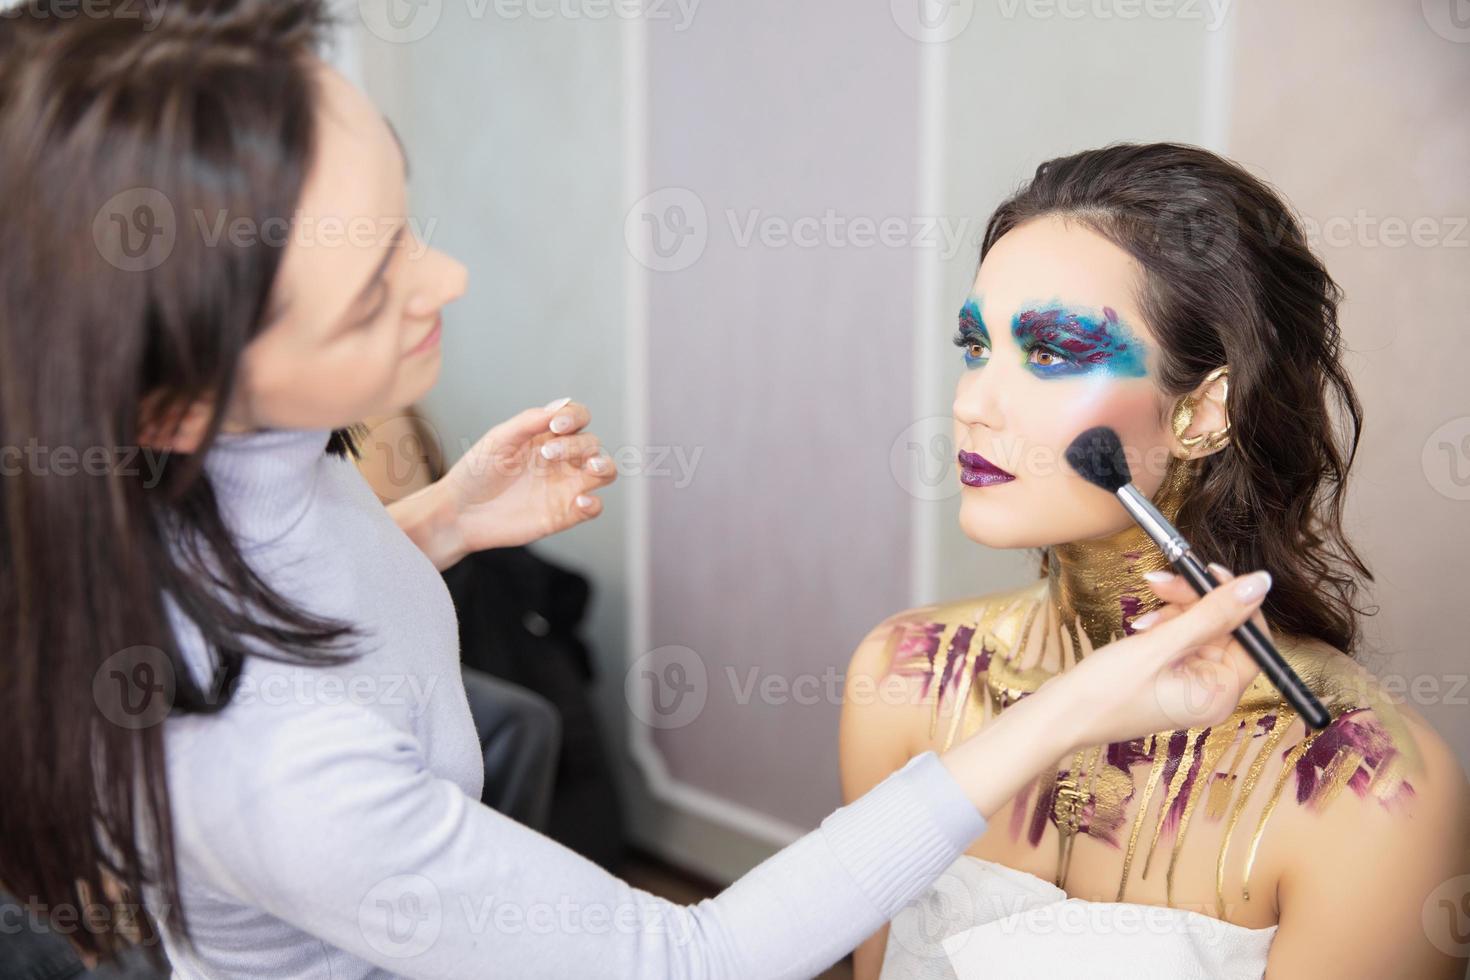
(399,140)
(352,318)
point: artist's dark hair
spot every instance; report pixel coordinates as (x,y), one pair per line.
(116,123)
(1228,278)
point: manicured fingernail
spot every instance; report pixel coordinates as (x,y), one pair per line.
(557,405)
(597,464)
(584,501)
(1145,621)
(1253,586)
(1159,576)
(552,450)
(561,423)
(1221,572)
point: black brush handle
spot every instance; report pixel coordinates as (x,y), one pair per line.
(1262,650)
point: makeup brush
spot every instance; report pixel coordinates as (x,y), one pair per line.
(1097,455)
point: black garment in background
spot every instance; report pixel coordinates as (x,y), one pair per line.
(518,620)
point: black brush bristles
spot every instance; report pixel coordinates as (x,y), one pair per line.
(1097,455)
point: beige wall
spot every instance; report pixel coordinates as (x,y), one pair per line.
(1360,119)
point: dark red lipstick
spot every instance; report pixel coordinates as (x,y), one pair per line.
(977,471)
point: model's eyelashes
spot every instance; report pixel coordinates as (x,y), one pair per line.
(1039,357)
(1058,341)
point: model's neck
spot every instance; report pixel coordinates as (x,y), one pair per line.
(1099,583)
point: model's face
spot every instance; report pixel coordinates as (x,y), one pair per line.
(360,293)
(1053,344)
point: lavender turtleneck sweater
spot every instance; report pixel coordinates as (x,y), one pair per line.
(328,822)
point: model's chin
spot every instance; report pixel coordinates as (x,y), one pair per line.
(997,524)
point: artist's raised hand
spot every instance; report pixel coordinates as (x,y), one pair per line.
(530,476)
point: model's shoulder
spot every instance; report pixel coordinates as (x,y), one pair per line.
(907,642)
(1377,746)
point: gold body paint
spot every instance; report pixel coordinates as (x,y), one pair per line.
(970,658)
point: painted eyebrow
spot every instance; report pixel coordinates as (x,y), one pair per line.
(969,315)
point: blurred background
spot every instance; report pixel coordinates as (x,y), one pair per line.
(739,232)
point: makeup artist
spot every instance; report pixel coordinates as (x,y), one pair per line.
(232,621)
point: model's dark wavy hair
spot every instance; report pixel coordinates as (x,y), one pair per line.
(1228,278)
(210,108)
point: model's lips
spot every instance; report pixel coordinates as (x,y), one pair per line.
(431,338)
(977,471)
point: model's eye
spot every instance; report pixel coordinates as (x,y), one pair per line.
(975,349)
(1047,358)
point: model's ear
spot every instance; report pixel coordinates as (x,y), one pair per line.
(1201,419)
(164,424)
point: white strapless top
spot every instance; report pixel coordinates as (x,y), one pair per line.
(981,920)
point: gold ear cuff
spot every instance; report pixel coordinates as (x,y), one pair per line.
(1184,415)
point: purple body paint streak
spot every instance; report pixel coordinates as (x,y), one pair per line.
(958,647)
(1365,734)
(1171,819)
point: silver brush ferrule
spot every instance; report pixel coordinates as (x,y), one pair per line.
(1165,535)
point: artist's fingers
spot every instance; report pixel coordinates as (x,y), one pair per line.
(575,450)
(1212,617)
(570,417)
(585,506)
